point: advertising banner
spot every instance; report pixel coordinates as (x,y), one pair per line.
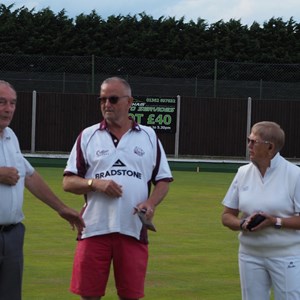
(156,112)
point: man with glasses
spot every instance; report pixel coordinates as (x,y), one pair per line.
(113,165)
(15,173)
(263,202)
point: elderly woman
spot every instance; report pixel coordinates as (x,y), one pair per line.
(263,202)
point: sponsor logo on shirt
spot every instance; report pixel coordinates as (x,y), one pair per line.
(102,152)
(119,163)
(139,151)
(291,265)
(118,172)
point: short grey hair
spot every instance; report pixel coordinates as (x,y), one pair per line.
(270,131)
(118,79)
(3,82)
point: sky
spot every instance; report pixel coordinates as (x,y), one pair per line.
(247,11)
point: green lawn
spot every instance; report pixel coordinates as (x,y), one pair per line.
(192,256)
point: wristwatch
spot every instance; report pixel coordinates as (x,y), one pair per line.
(90,183)
(242,223)
(278,223)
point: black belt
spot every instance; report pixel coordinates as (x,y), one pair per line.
(7,227)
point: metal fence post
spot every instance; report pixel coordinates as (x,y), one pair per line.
(260,89)
(177,134)
(93,74)
(249,108)
(33,122)
(215,78)
(64,82)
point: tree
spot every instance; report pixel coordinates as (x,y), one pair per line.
(24,31)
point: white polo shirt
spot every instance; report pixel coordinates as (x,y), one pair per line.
(134,162)
(11,197)
(277,194)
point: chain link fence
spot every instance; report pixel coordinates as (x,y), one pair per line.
(82,74)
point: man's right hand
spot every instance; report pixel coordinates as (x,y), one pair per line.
(108,187)
(9,175)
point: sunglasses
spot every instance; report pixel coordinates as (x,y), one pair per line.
(254,142)
(111,99)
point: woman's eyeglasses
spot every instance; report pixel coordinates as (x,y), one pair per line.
(111,99)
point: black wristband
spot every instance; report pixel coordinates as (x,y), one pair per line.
(242,223)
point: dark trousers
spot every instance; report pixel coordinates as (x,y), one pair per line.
(11,262)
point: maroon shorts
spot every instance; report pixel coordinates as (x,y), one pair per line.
(92,263)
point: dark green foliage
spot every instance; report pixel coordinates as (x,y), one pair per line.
(24,31)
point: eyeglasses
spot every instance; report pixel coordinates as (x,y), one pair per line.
(255,142)
(111,99)
(4,102)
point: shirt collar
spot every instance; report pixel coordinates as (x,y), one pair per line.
(275,161)
(135,125)
(5,135)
